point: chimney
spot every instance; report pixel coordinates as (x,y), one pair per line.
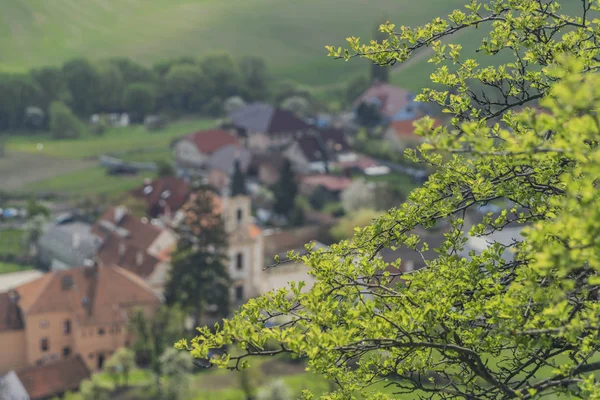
(139,258)
(76,240)
(120,212)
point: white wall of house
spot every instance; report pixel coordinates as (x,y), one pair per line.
(187,153)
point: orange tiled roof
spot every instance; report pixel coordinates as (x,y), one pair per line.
(92,294)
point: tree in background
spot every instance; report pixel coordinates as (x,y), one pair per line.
(232,104)
(132,72)
(276,390)
(249,381)
(255,78)
(164,168)
(119,365)
(346,227)
(94,389)
(198,280)
(152,337)
(298,105)
(359,194)
(355,88)
(83,81)
(237,185)
(177,367)
(110,88)
(53,86)
(518,319)
(63,123)
(285,190)
(139,99)
(379,73)
(186,88)
(221,69)
(19,91)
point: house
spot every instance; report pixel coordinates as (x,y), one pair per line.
(392,102)
(401,134)
(135,244)
(331,183)
(335,141)
(163,196)
(266,168)
(245,245)
(353,163)
(193,151)
(308,155)
(265,127)
(278,243)
(79,312)
(45,381)
(63,246)
(508,236)
(221,164)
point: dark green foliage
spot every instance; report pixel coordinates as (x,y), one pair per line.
(83,81)
(110,88)
(255,78)
(180,86)
(285,190)
(164,168)
(63,123)
(224,75)
(356,87)
(198,277)
(139,100)
(238,181)
(186,88)
(52,84)
(368,115)
(18,91)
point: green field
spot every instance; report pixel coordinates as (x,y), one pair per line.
(131,138)
(11,241)
(290,35)
(6,268)
(93,180)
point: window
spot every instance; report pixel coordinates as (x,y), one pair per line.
(44,344)
(100,331)
(66,352)
(239,261)
(239,293)
(44,324)
(240,215)
(100,361)
(67,327)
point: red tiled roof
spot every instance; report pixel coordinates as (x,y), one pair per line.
(406,129)
(141,234)
(169,191)
(329,182)
(54,378)
(91,294)
(133,259)
(209,141)
(392,98)
(10,315)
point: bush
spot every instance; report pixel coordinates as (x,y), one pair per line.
(63,123)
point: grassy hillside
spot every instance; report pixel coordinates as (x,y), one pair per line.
(291,35)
